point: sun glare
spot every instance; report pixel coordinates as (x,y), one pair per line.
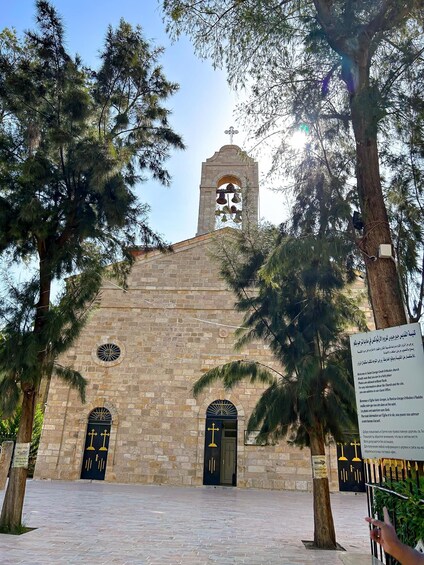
(298,140)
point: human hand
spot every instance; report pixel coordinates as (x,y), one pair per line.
(384,533)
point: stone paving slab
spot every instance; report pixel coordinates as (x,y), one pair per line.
(95,523)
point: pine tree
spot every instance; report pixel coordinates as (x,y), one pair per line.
(74,143)
(292,292)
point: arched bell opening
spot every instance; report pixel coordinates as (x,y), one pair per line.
(228,207)
(96,444)
(220,461)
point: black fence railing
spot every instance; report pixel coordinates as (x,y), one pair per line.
(398,485)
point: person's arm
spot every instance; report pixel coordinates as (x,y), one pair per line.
(385,534)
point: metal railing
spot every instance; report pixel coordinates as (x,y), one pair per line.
(388,483)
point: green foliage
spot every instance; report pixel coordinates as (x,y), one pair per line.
(74,142)
(9,427)
(407,510)
(36,431)
(20,361)
(231,374)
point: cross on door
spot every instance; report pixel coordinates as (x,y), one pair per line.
(213,429)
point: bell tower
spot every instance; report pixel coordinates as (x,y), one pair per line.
(229,189)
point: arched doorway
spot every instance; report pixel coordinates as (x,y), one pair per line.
(96,444)
(220,463)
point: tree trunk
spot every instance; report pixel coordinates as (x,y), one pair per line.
(11,515)
(367,111)
(383,280)
(324,533)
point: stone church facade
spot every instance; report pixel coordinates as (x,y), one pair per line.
(143,350)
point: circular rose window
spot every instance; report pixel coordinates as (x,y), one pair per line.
(108,352)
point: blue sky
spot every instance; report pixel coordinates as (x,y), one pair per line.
(201,110)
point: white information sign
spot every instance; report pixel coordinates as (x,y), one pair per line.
(388,368)
(21,455)
(319,467)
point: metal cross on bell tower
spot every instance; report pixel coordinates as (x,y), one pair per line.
(231,132)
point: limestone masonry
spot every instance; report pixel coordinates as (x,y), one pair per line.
(141,353)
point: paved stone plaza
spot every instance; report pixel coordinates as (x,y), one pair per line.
(96,523)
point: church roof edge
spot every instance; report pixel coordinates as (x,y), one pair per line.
(231,150)
(150,253)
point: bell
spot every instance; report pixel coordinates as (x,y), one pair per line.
(237,218)
(233,210)
(230,187)
(226,210)
(235,198)
(221,199)
(224,218)
(218,212)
